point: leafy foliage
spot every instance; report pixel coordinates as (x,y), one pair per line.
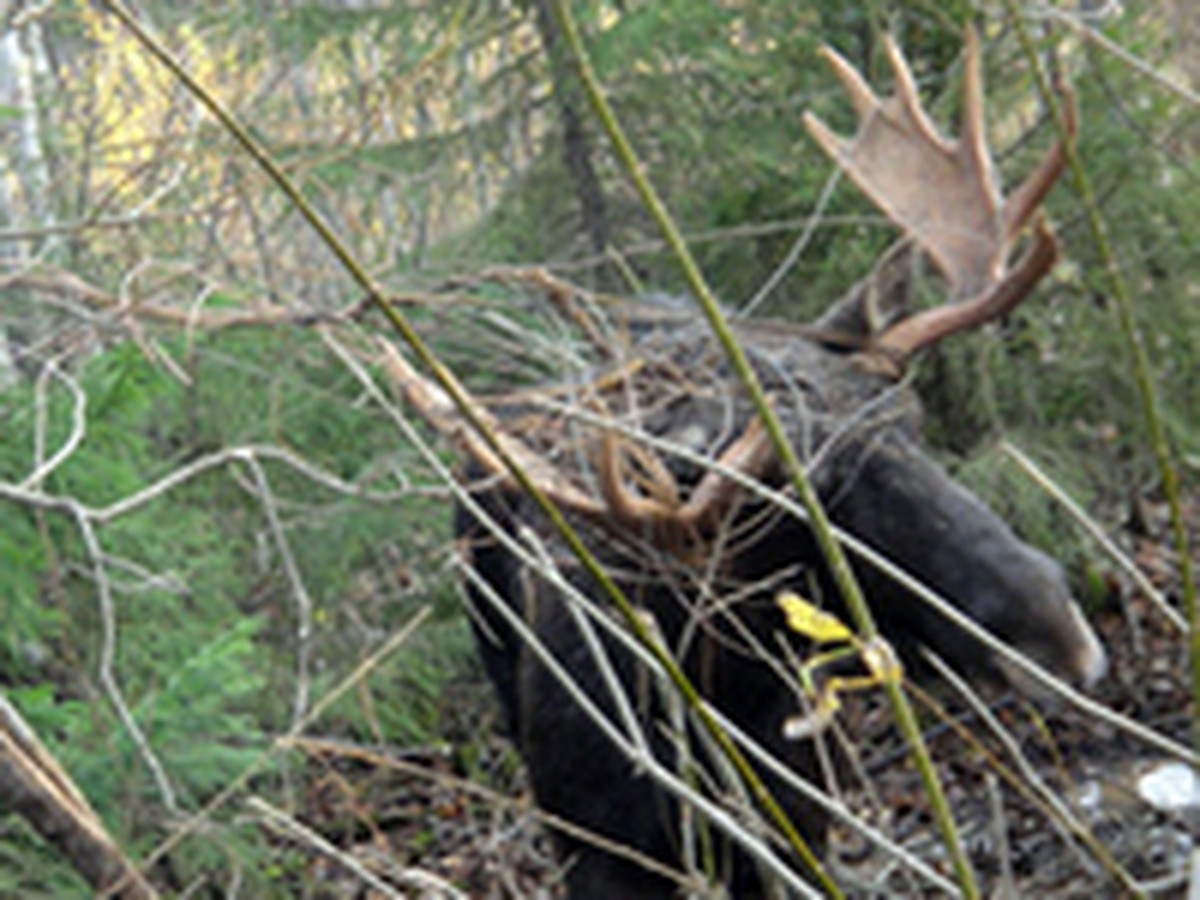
(203,622)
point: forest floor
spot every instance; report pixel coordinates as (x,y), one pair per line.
(462,814)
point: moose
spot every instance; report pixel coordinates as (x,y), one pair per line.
(652,458)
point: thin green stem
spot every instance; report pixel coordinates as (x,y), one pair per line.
(1136,348)
(818,519)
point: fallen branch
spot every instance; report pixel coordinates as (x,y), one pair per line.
(36,787)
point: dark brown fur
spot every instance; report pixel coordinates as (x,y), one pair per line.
(713,601)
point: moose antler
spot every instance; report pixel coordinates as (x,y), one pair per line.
(677,524)
(945,196)
(942,193)
(662,517)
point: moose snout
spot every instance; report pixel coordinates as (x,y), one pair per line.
(1088,663)
(1065,645)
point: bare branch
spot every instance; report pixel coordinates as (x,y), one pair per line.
(304,605)
(78,425)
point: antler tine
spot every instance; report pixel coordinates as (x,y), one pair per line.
(908,98)
(629,510)
(864,99)
(678,525)
(751,454)
(973,143)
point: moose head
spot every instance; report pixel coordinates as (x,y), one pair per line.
(660,463)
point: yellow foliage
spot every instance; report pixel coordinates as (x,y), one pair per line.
(813,623)
(136,101)
(824,628)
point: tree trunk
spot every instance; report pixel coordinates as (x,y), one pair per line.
(577,145)
(24,187)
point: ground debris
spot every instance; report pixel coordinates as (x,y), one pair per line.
(463,812)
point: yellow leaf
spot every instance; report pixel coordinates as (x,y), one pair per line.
(813,623)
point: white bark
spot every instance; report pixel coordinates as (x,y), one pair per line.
(24,177)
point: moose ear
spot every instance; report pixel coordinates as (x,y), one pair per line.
(874,304)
